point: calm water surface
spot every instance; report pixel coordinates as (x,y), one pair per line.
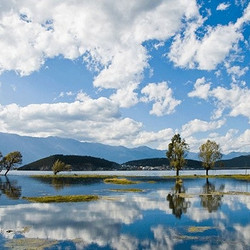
(194,214)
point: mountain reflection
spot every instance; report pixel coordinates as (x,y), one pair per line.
(211,199)
(10,188)
(177,201)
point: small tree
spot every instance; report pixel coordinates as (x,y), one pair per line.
(176,153)
(209,154)
(59,166)
(10,160)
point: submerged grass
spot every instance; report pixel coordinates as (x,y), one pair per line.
(60,198)
(132,190)
(236,176)
(30,243)
(194,229)
(121,181)
(114,179)
(226,193)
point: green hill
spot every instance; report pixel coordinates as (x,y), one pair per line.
(78,163)
(88,163)
(242,162)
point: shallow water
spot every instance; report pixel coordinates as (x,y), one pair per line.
(193,214)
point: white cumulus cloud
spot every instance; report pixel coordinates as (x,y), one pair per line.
(84,119)
(235,99)
(205,53)
(223,6)
(197,125)
(107,34)
(162,96)
(201,89)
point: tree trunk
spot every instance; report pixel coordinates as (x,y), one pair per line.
(8,169)
(207,171)
(177,172)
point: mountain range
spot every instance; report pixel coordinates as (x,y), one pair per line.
(35,148)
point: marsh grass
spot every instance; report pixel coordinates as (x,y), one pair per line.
(236,176)
(66,198)
(120,181)
(194,229)
(59,176)
(30,243)
(215,193)
(226,193)
(132,190)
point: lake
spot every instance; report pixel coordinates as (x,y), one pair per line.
(194,213)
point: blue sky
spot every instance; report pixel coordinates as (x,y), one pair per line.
(129,73)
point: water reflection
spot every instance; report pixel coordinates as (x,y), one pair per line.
(62,182)
(211,198)
(176,199)
(137,220)
(10,188)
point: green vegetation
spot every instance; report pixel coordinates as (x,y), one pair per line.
(30,243)
(60,198)
(236,176)
(10,160)
(115,177)
(119,181)
(194,229)
(59,166)
(209,154)
(176,153)
(132,190)
(225,193)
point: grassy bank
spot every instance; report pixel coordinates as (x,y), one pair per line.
(66,198)
(119,181)
(132,190)
(237,176)
(115,180)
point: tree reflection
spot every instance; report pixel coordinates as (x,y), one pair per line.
(60,182)
(10,188)
(211,198)
(176,199)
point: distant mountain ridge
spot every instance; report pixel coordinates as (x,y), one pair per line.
(35,148)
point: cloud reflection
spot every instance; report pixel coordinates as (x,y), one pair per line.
(114,222)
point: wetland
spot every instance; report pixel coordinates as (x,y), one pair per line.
(138,212)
